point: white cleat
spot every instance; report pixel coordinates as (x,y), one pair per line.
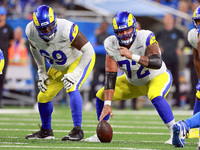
(93,138)
(169,141)
(88,106)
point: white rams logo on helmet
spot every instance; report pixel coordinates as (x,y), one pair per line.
(44,23)
(122,26)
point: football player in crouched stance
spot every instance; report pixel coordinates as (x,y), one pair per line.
(2,61)
(181,127)
(194,40)
(71,57)
(137,53)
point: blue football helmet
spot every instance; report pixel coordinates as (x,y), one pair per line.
(196,15)
(44,16)
(123,21)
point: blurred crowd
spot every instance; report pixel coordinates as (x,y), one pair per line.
(179,50)
(25,8)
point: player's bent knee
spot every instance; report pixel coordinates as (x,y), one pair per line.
(151,97)
(43,98)
(198,95)
(1,64)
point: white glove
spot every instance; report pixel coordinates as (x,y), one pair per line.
(43,79)
(70,79)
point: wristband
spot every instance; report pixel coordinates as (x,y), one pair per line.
(107,102)
(135,58)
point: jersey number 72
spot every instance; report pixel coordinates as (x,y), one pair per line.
(128,68)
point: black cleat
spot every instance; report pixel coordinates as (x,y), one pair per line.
(76,134)
(41,134)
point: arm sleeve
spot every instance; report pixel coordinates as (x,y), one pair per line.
(39,60)
(88,53)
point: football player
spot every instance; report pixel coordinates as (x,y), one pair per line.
(137,53)
(1,61)
(194,40)
(71,57)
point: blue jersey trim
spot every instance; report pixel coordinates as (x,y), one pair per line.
(71,32)
(169,85)
(84,73)
(149,39)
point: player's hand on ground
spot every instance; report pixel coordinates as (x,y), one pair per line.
(106,110)
(125,52)
(43,81)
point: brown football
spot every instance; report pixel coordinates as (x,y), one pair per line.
(104,131)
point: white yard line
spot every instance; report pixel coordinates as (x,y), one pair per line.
(132,121)
(151,112)
(61,131)
(117,112)
(47,147)
(17,111)
(84,125)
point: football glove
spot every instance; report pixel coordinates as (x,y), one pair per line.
(43,79)
(70,79)
(198,85)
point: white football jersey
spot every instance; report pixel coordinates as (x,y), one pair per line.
(193,38)
(135,73)
(58,51)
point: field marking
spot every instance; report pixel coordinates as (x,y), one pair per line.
(39,147)
(17,111)
(69,125)
(13,143)
(84,121)
(151,112)
(87,142)
(61,131)
(117,112)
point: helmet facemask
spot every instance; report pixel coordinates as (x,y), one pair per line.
(127,38)
(44,17)
(49,35)
(124,21)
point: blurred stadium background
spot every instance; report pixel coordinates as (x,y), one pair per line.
(19,89)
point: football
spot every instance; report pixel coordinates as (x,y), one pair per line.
(104,131)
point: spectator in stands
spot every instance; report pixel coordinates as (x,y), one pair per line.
(183,24)
(6,39)
(17,52)
(99,69)
(193,4)
(171,42)
(169,3)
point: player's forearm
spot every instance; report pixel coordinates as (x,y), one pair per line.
(108,94)
(153,62)
(109,85)
(87,55)
(39,60)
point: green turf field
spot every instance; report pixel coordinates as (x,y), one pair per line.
(138,129)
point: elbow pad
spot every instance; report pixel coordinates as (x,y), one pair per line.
(155,62)
(110,79)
